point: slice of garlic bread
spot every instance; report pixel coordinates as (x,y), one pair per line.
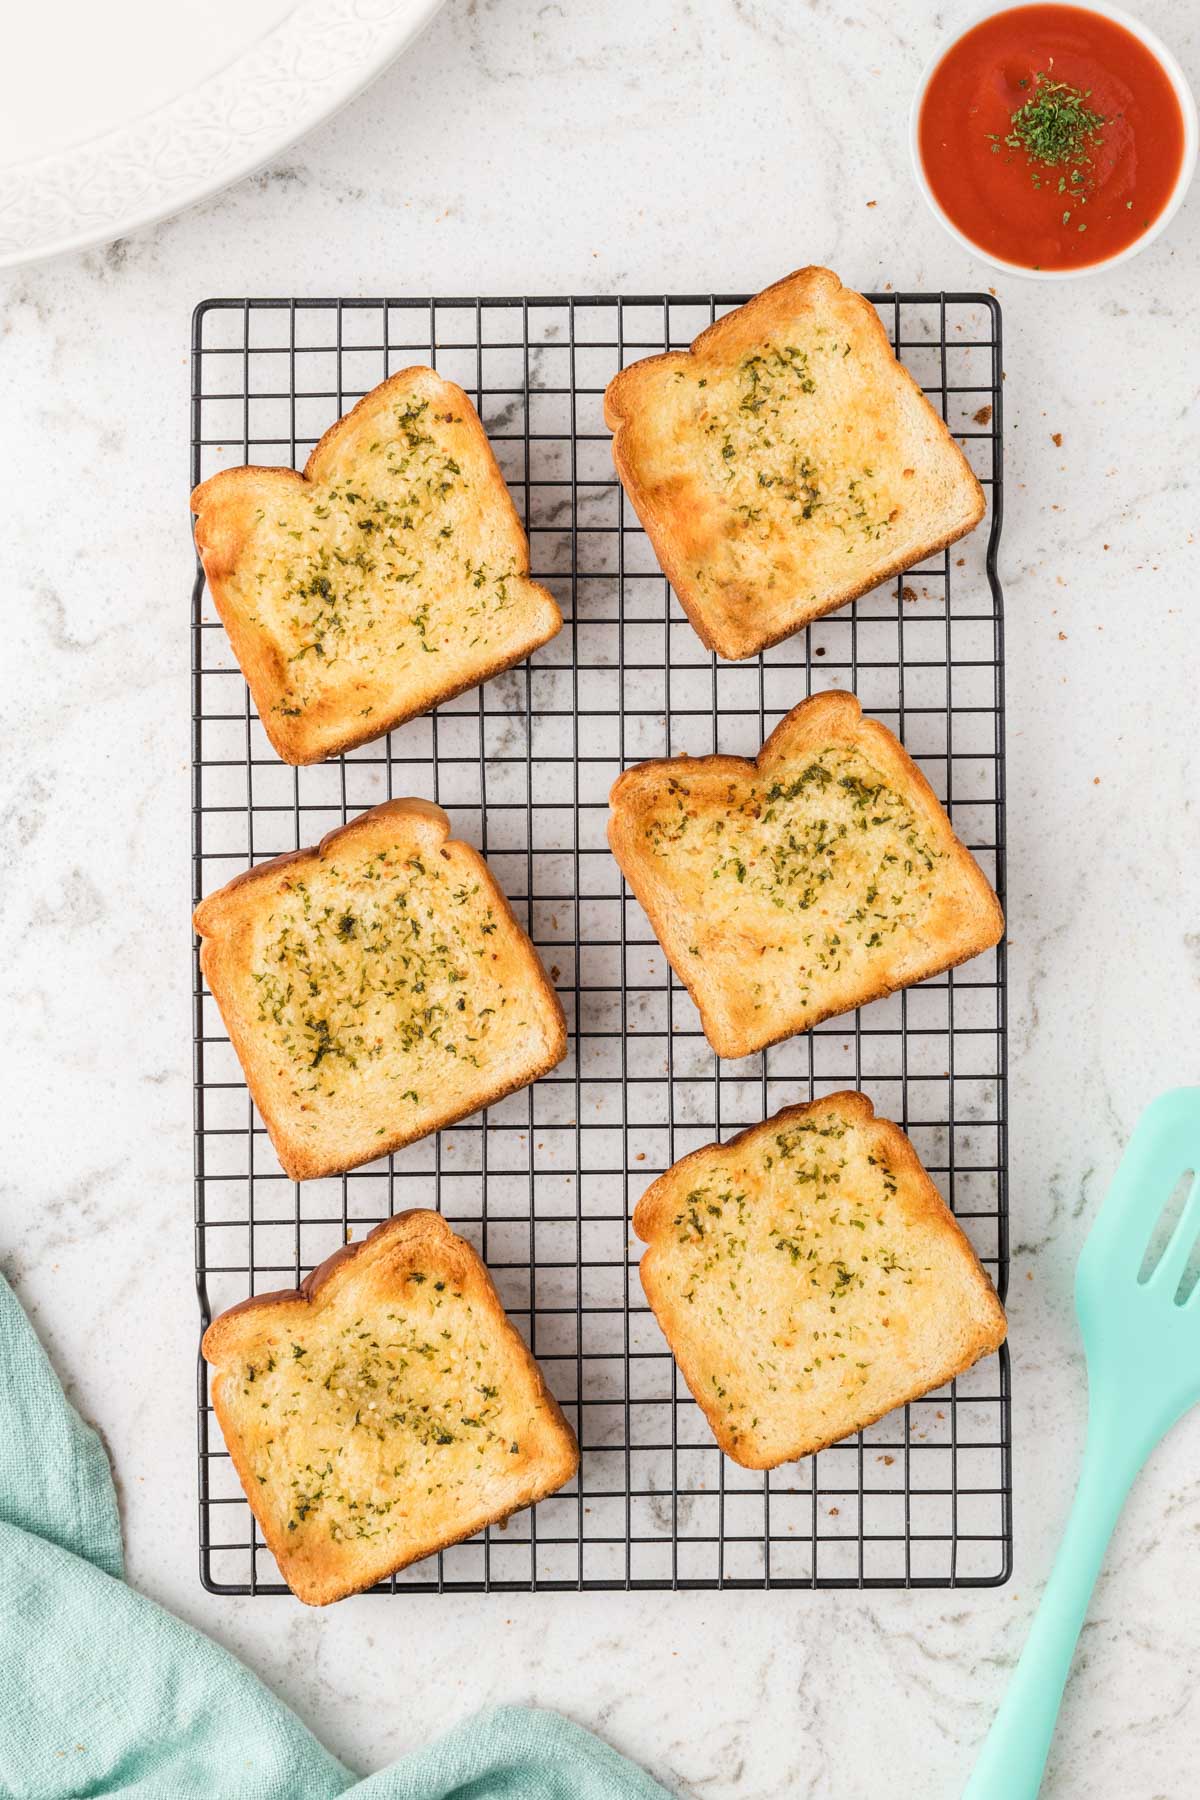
(786,463)
(376,988)
(819,877)
(808,1278)
(391,575)
(385,1409)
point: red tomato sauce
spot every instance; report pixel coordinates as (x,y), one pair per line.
(991,193)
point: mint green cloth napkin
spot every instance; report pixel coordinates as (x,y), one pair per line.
(102,1692)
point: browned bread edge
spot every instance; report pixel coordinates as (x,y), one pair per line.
(858,1106)
(208,920)
(293,739)
(779,297)
(414,1226)
(838,709)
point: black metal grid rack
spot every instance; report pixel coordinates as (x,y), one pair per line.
(544,1183)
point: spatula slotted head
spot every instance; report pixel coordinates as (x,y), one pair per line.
(1140,1313)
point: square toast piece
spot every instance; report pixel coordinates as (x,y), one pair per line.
(820,876)
(383,1410)
(390,575)
(809,1278)
(786,463)
(375,988)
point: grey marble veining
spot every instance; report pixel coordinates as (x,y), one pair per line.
(523,147)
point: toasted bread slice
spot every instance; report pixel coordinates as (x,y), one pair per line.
(785,463)
(819,877)
(391,575)
(375,988)
(809,1277)
(385,1409)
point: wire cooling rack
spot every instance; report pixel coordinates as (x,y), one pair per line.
(545,1182)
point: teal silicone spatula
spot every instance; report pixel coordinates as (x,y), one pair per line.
(1142,1338)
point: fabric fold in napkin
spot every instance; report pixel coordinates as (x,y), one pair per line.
(105,1693)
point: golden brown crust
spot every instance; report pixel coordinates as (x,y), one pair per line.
(973,925)
(226,506)
(984,1326)
(379,1264)
(226,921)
(680,518)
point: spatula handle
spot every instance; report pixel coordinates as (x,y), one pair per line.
(1013,1759)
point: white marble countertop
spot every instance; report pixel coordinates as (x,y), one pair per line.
(531,147)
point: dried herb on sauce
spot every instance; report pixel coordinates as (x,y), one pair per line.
(1056,129)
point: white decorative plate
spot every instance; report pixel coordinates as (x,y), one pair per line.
(120,113)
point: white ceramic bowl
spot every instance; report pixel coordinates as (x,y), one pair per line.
(1191,137)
